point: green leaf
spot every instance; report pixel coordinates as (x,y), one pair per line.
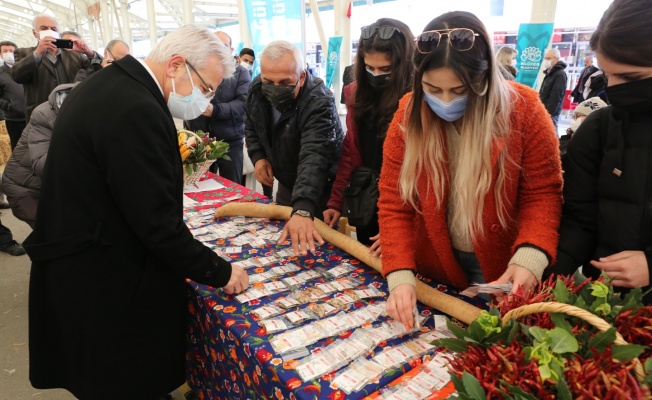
(648,365)
(633,299)
(517,392)
(560,322)
(188,169)
(561,341)
(626,352)
(473,387)
(603,339)
(539,334)
(581,303)
(561,291)
(604,308)
(458,345)
(563,393)
(513,332)
(599,290)
(476,331)
(457,331)
(544,371)
(457,382)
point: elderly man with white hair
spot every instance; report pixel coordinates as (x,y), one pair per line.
(293,134)
(553,88)
(43,67)
(110,250)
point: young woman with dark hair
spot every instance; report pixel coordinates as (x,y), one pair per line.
(607,215)
(384,71)
(470,189)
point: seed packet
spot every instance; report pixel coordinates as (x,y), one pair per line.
(285,269)
(315,365)
(275,325)
(287,302)
(350,381)
(267,311)
(369,292)
(294,281)
(299,316)
(251,294)
(261,277)
(340,270)
(275,287)
(322,309)
(342,302)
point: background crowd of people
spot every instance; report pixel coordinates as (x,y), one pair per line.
(468,179)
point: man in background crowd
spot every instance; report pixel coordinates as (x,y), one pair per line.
(224,118)
(12,100)
(553,88)
(246,59)
(293,134)
(589,69)
(42,68)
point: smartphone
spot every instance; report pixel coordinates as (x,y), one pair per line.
(63,43)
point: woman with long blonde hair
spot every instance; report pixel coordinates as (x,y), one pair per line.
(470,188)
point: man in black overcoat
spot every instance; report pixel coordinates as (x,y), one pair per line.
(110,251)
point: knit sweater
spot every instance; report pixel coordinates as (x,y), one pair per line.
(419,240)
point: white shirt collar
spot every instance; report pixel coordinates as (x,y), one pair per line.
(152,74)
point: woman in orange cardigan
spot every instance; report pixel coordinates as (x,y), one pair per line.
(470,187)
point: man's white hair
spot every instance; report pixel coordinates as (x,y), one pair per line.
(36,17)
(556,53)
(279,48)
(196,45)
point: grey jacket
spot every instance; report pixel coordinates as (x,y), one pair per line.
(24,169)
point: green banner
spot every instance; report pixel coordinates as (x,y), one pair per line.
(334,44)
(531,45)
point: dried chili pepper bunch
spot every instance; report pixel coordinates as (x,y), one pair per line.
(555,356)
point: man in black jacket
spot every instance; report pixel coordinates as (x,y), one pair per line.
(110,250)
(43,67)
(553,87)
(293,134)
(224,118)
(589,69)
(12,99)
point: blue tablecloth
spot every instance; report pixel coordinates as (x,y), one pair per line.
(229,355)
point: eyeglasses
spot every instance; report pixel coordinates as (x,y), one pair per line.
(211,92)
(385,32)
(461,39)
(112,56)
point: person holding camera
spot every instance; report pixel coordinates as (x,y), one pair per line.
(57,67)
(384,72)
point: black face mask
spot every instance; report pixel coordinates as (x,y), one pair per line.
(379,82)
(631,97)
(280,97)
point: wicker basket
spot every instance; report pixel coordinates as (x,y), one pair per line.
(193,178)
(553,307)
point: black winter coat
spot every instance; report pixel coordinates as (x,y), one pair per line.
(305,148)
(110,252)
(604,214)
(553,89)
(578,95)
(12,98)
(229,106)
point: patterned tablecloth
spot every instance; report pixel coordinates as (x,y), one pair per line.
(229,354)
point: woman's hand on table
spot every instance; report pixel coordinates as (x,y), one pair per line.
(331,217)
(302,233)
(263,172)
(627,269)
(374,250)
(401,303)
(519,276)
(239,281)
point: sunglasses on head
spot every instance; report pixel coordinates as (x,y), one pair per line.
(384,32)
(461,39)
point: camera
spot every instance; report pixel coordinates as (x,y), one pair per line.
(63,43)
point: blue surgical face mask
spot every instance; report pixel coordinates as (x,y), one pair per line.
(187,107)
(447,111)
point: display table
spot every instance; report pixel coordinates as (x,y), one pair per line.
(229,353)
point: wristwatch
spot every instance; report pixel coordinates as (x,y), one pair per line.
(303,213)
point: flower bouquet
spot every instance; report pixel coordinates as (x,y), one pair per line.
(572,338)
(198,152)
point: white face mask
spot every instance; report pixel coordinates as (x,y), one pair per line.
(187,107)
(49,33)
(514,63)
(547,64)
(8,58)
(246,65)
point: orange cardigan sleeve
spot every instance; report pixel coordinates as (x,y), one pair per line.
(395,218)
(540,186)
